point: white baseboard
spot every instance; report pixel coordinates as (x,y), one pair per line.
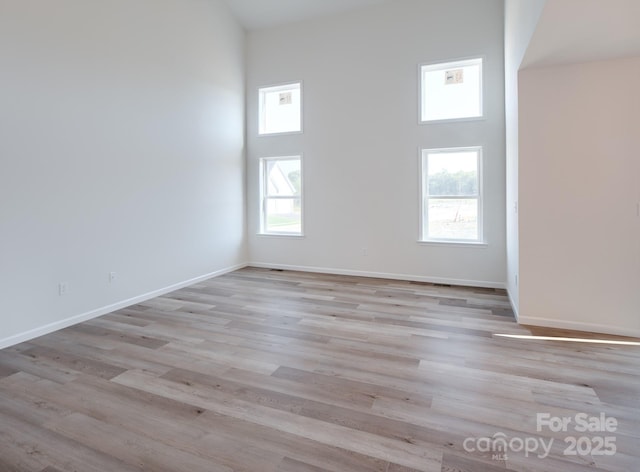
(57,325)
(381,275)
(578,326)
(523,320)
(514,307)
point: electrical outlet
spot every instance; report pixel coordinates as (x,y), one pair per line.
(364,251)
(112,277)
(63,288)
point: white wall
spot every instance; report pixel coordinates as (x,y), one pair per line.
(521,18)
(121,149)
(361,137)
(579,196)
(573,31)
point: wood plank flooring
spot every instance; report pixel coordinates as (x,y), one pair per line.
(263,371)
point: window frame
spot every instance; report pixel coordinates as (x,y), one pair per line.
(283,86)
(443,65)
(423,236)
(264,198)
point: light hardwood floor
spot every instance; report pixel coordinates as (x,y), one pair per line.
(263,370)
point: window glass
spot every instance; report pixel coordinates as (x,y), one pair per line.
(281,189)
(451,194)
(280,109)
(451,90)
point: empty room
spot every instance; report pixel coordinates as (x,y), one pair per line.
(319,235)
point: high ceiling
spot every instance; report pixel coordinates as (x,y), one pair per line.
(568,30)
(571,31)
(257,14)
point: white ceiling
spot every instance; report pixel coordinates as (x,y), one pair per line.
(257,14)
(571,31)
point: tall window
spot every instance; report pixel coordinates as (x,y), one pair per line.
(280,109)
(281,195)
(451,90)
(452,195)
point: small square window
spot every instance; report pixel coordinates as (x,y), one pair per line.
(451,90)
(280,109)
(281,195)
(451,195)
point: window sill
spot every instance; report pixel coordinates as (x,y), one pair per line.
(280,235)
(474,244)
(279,133)
(452,120)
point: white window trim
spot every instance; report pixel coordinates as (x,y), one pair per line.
(284,86)
(453,63)
(422,230)
(262,175)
